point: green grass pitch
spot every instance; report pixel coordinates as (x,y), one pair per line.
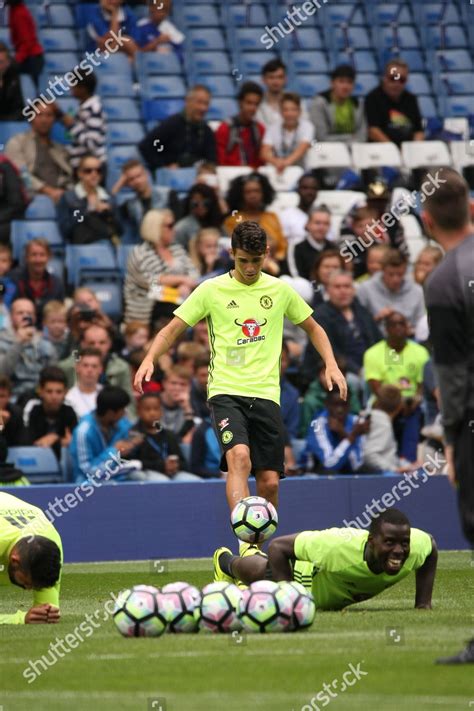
(269,672)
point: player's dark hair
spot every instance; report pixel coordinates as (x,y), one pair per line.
(249,87)
(111,398)
(41,559)
(250,237)
(394,516)
(52,374)
(87,81)
(272,66)
(449,203)
(235,194)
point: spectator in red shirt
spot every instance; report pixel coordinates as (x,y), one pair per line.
(29,53)
(239,139)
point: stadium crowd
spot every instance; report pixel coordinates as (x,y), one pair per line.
(67,366)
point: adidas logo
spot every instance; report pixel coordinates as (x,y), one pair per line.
(232,305)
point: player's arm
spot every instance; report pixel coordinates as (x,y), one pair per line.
(281,556)
(425,579)
(318,337)
(163,340)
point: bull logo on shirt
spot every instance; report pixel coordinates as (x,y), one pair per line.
(251,330)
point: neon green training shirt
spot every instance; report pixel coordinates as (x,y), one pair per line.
(334,558)
(245,326)
(19,519)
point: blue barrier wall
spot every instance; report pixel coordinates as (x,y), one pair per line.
(156,521)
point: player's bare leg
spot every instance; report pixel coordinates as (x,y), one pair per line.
(268,482)
(239,466)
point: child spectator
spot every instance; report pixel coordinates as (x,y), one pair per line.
(34,281)
(49,421)
(199,386)
(10,414)
(156,33)
(380,446)
(204,253)
(187,354)
(82,397)
(29,53)
(55,328)
(362,231)
(108,19)
(375,257)
(335,438)
(302,256)
(178,415)
(88,127)
(136,335)
(286,143)
(239,139)
(159,452)
(316,394)
(427,260)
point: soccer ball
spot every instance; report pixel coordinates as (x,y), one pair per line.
(177,603)
(265,607)
(254,519)
(218,610)
(303,608)
(137,612)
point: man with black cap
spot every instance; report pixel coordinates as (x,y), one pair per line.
(336,114)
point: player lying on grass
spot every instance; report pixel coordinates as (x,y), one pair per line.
(31,558)
(343,566)
(245,311)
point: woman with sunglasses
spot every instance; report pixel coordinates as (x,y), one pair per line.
(201,209)
(87,213)
(160,274)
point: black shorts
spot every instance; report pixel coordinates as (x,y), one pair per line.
(252,421)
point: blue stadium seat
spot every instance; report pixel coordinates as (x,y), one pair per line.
(418,84)
(84,12)
(458,106)
(28,88)
(22,231)
(304,62)
(457,83)
(179,179)
(389,13)
(346,14)
(58,40)
(308,85)
(55,16)
(222,108)
(436,13)
(123,253)
(60,62)
(403,37)
(56,267)
(199,16)
(212,40)
(156,63)
(454,60)
(124,132)
(209,63)
(246,39)
(413,57)
(118,155)
(350,37)
(114,85)
(39,464)
(217,85)
(41,208)
(109,294)
(121,109)
(11,128)
(5,36)
(362,60)
(252,62)
(244,15)
(446,37)
(90,260)
(428,107)
(116,64)
(159,109)
(304,38)
(365,83)
(158,87)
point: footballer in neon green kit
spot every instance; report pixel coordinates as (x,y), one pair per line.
(245,310)
(31,558)
(343,566)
